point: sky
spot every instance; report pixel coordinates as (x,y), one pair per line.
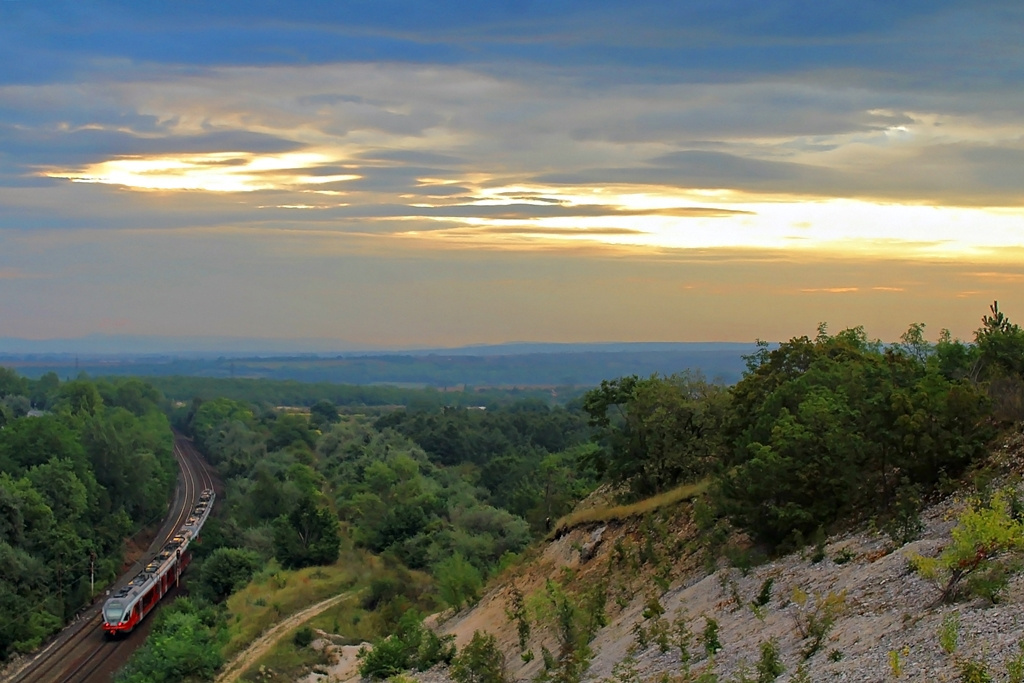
(392,174)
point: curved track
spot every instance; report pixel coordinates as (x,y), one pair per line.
(82,653)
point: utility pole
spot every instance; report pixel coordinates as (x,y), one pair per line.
(92,574)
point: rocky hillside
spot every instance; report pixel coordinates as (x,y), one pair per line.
(655,606)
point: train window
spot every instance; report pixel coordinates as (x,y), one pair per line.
(113,611)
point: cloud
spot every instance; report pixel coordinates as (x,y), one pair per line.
(411,156)
(537,169)
(37,146)
(958,175)
(831,290)
(399,123)
(560,232)
(997,277)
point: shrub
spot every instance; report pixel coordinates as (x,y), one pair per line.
(459,581)
(904,524)
(434,649)
(683,636)
(710,637)
(815,621)
(1015,667)
(972,671)
(896,658)
(226,570)
(625,671)
(983,536)
(480,661)
(949,633)
(769,667)
(765,595)
(411,646)
(653,608)
(388,657)
(517,611)
(182,646)
(303,636)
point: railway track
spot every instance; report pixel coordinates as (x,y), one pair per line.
(82,653)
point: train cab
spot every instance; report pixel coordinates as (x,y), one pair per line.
(113,611)
(118,618)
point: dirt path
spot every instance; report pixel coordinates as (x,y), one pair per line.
(246,658)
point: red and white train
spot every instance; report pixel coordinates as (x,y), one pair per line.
(129,605)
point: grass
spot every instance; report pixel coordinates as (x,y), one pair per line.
(638,509)
(276,593)
(348,620)
(285,663)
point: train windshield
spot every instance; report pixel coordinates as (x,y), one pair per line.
(113,611)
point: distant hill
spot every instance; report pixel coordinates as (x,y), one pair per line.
(519,364)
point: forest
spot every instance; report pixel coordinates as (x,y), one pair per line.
(83,466)
(820,433)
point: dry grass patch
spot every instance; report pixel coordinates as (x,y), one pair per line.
(639,509)
(275,593)
(349,622)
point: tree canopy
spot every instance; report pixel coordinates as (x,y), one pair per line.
(74,482)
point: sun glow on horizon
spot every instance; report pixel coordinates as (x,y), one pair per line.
(620,216)
(725,218)
(216,172)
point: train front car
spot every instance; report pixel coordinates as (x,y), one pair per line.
(118,617)
(130,604)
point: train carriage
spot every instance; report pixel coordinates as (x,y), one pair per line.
(128,606)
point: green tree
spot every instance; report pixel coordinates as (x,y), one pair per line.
(307,536)
(323,414)
(289,429)
(12,384)
(226,570)
(26,443)
(182,647)
(1001,343)
(44,390)
(825,428)
(208,416)
(1000,346)
(459,581)
(235,448)
(136,396)
(79,397)
(659,431)
(61,488)
(15,406)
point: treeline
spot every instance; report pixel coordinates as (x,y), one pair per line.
(353,398)
(532,365)
(530,459)
(82,466)
(819,430)
(275,392)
